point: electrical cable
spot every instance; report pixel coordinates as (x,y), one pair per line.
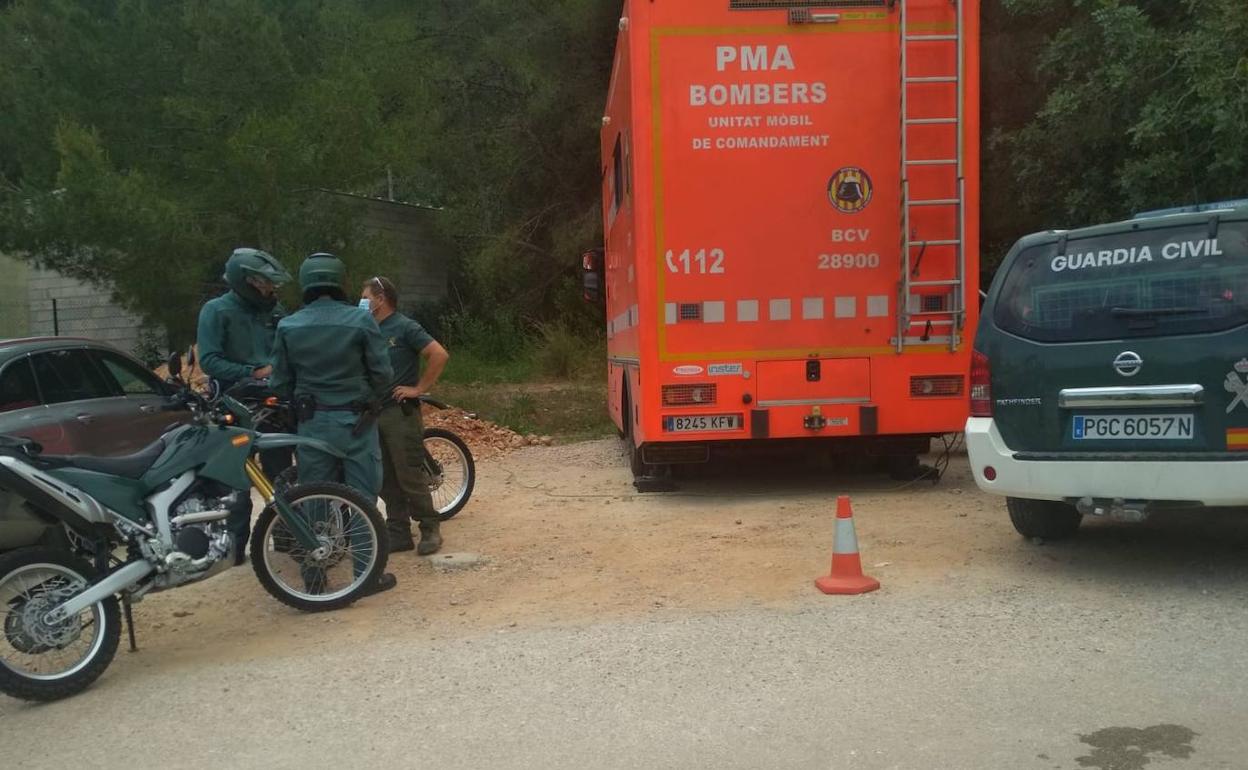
(950,444)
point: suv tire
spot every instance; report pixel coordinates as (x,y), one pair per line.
(1043,518)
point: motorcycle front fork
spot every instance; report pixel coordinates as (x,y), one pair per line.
(298,525)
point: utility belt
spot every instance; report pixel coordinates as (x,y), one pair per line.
(407,407)
(306,407)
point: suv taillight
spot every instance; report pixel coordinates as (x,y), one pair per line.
(981,385)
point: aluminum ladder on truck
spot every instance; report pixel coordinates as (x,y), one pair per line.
(926,318)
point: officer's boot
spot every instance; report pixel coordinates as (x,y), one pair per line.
(430,537)
(240,547)
(400,533)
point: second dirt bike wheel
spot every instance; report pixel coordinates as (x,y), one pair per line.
(452,472)
(351,556)
(42,661)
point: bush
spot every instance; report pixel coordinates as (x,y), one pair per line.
(152,347)
(431,314)
(498,337)
(497,349)
(564,354)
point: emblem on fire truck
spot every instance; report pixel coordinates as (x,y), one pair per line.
(850,190)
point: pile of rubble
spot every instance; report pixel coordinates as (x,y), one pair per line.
(483,437)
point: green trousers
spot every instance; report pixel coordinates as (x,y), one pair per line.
(361,469)
(405,482)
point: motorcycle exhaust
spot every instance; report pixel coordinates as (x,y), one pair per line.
(199,517)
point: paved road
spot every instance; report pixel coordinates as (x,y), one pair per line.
(683,632)
(955,678)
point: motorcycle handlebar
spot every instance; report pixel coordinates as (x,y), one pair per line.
(431,401)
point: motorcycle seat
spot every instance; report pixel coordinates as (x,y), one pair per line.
(130,466)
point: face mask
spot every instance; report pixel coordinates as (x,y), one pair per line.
(366,304)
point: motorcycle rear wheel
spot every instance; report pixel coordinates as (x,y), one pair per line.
(451,469)
(32,581)
(448,462)
(353,532)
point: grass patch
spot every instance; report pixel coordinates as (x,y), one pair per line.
(469,366)
(546,379)
(555,356)
(566,411)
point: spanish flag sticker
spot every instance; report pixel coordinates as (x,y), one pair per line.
(242,441)
(1237,440)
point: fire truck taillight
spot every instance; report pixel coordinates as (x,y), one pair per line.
(981,385)
(940,386)
(689,395)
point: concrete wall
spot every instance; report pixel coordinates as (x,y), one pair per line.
(80,310)
(14,301)
(423,258)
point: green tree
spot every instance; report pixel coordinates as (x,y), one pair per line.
(519,88)
(1146,106)
(148,139)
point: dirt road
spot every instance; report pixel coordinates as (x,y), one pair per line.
(589,585)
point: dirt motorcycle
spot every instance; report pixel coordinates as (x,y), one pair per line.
(156,520)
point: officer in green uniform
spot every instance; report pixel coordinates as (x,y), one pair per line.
(330,355)
(405,486)
(235,342)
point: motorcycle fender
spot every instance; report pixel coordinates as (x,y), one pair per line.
(282,440)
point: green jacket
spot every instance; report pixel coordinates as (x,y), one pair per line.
(332,351)
(235,336)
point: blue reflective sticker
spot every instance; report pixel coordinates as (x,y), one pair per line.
(1079,429)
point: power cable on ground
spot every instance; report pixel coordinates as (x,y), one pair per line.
(951,443)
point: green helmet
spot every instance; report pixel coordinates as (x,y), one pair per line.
(249,263)
(322,271)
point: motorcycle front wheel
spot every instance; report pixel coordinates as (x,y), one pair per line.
(42,661)
(351,556)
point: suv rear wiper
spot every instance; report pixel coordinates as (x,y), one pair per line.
(1156,312)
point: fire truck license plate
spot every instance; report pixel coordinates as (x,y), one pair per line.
(702,422)
(1134,426)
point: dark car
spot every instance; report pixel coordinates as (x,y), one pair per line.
(1110,374)
(74,396)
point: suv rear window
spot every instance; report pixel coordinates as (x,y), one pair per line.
(1147,283)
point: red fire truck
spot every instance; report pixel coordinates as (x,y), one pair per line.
(790,203)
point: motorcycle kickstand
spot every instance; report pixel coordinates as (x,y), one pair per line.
(129,614)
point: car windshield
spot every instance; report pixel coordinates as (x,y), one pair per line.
(1146,283)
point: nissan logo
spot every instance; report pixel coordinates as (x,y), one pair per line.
(1128,364)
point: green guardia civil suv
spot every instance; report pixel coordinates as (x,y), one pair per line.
(1110,374)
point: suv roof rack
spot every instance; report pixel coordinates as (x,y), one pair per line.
(1194,209)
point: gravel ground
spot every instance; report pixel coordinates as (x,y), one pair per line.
(616,630)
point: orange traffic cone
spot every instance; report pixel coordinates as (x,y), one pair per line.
(846,576)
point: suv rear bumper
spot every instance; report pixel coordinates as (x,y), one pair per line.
(1210,482)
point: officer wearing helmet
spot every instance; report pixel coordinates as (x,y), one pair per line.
(236,330)
(331,359)
(235,341)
